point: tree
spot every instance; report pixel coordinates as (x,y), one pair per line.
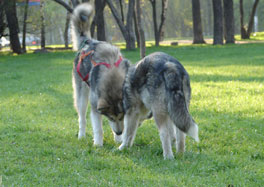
(141,30)
(159,30)
(197,23)
(11,16)
(66,33)
(136,27)
(218,22)
(245,32)
(42,18)
(127,30)
(99,19)
(2,18)
(25,27)
(229,21)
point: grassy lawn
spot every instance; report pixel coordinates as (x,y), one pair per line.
(38,125)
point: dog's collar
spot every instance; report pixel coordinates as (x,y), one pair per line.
(84,54)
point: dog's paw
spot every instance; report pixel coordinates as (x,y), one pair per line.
(122,146)
(81,135)
(168,157)
(98,143)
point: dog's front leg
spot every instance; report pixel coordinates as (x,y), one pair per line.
(97,127)
(131,120)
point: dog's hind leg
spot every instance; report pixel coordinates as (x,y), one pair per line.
(81,94)
(180,141)
(131,121)
(96,119)
(172,131)
(164,127)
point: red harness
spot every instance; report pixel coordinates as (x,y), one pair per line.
(84,54)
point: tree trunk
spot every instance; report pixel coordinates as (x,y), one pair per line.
(159,30)
(242,28)
(136,28)
(229,21)
(11,16)
(2,16)
(251,19)
(141,30)
(66,31)
(42,25)
(155,24)
(245,33)
(99,19)
(197,23)
(122,11)
(163,18)
(131,35)
(25,27)
(127,30)
(93,25)
(218,22)
(209,15)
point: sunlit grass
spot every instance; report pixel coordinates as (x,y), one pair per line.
(257,36)
(38,125)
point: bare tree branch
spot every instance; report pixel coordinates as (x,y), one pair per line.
(65,5)
(116,16)
(122,12)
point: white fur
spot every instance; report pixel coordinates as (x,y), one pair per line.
(131,120)
(97,128)
(193,132)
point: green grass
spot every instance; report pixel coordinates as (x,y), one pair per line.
(38,125)
(258,36)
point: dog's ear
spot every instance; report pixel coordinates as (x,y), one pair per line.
(102,106)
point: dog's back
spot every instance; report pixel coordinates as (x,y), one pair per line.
(163,86)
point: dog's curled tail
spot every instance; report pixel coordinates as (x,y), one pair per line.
(177,105)
(81,24)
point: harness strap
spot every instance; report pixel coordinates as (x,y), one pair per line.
(83,55)
(116,64)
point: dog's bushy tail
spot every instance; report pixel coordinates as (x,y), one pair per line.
(178,103)
(81,24)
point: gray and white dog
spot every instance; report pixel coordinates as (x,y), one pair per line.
(98,71)
(159,84)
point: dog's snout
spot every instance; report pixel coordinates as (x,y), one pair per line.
(119,133)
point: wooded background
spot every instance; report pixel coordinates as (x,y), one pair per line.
(178,17)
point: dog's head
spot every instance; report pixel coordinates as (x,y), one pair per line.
(113,110)
(110,102)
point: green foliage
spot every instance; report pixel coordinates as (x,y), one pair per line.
(38,125)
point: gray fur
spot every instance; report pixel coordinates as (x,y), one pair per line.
(100,88)
(160,84)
